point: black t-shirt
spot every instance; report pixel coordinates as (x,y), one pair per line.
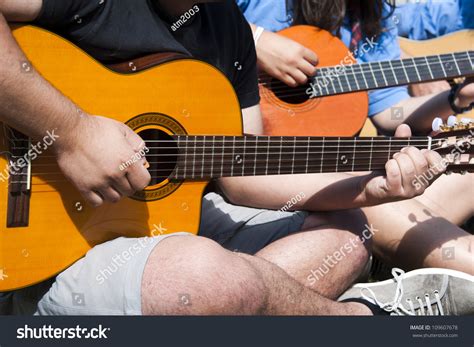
(119,30)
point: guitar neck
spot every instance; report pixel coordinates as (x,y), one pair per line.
(374,75)
(206,157)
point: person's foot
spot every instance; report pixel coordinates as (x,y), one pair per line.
(419,292)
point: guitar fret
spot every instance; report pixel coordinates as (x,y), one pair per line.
(393,71)
(307,154)
(371,153)
(244,156)
(416,69)
(337,154)
(223,156)
(213,153)
(470,61)
(233,157)
(354,154)
(194,157)
(268,155)
(281,151)
(348,83)
(331,84)
(402,65)
(203,155)
(179,153)
(442,66)
(325,86)
(389,155)
(456,63)
(256,154)
(350,77)
(383,73)
(322,154)
(294,157)
(365,79)
(429,67)
(339,81)
(373,75)
(464,63)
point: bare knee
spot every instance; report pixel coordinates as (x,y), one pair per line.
(349,230)
(194,275)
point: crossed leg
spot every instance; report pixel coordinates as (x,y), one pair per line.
(217,281)
(328,255)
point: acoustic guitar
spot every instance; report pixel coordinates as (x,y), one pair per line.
(189,116)
(335,102)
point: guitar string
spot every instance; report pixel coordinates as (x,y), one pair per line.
(383,72)
(278,147)
(253,159)
(274,148)
(227,171)
(274,144)
(327,73)
(376,67)
(323,86)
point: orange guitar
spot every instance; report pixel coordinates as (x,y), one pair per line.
(335,103)
(190,118)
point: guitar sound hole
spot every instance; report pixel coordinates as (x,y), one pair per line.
(162,155)
(289,95)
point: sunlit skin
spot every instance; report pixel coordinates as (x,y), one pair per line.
(268,287)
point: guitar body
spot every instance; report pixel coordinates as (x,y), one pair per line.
(444,44)
(183,96)
(440,45)
(339,115)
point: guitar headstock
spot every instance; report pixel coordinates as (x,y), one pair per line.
(455,143)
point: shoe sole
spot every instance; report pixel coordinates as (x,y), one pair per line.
(428,271)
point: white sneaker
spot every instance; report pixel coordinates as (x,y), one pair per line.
(425,292)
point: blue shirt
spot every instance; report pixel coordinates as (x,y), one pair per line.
(467,13)
(275,15)
(271,15)
(427,19)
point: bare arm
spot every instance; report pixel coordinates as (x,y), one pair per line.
(419,112)
(20,10)
(85,143)
(285,59)
(325,192)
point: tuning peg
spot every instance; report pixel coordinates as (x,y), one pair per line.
(437,124)
(467,121)
(452,121)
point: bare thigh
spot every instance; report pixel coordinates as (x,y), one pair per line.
(328,255)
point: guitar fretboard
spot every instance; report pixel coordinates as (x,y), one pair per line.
(204,157)
(368,76)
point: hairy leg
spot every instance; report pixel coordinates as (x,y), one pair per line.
(328,256)
(451,197)
(412,235)
(187,275)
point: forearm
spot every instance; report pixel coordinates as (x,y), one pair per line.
(27,101)
(418,113)
(319,192)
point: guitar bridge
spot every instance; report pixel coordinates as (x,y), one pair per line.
(19,181)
